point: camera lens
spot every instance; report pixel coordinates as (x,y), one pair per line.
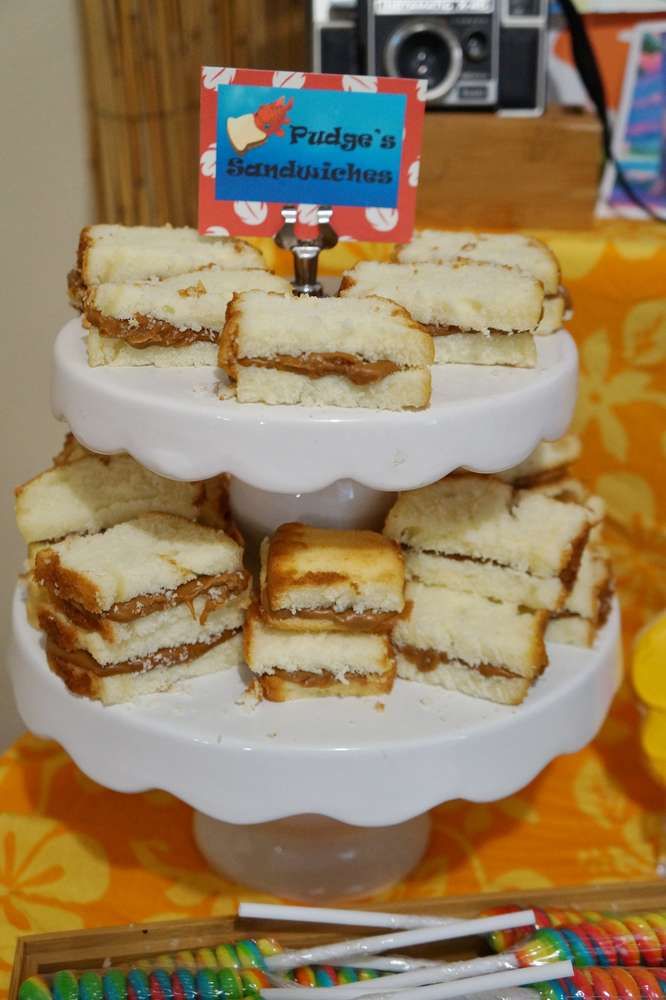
(425,56)
(476,46)
(425,51)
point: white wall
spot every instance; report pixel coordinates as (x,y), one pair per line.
(46,198)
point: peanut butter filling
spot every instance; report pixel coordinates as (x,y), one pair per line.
(349,620)
(148,331)
(567,575)
(427,660)
(317,365)
(217,589)
(446,329)
(78,659)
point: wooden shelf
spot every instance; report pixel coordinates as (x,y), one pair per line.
(485,171)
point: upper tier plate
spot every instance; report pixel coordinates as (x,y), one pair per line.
(171,421)
(338,757)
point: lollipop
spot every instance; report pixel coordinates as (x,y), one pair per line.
(182,976)
(328,975)
(551,917)
(638,939)
(613,983)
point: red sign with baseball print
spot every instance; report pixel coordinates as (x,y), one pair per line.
(270,139)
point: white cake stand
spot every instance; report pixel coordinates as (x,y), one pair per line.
(328,798)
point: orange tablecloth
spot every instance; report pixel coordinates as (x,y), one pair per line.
(73,854)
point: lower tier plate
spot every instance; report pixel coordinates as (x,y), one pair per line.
(344,758)
(171,421)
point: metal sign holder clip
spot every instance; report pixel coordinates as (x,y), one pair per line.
(306,252)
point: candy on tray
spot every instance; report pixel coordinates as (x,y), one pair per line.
(495,982)
(552,916)
(632,939)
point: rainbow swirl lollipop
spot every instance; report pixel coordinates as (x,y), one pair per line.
(551,917)
(635,940)
(612,983)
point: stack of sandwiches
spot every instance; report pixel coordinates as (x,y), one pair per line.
(173,322)
(136,608)
(511,250)
(587,603)
(143,253)
(328,600)
(486,565)
(476,312)
(325,352)
(84,493)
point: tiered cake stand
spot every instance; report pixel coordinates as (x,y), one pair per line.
(326,798)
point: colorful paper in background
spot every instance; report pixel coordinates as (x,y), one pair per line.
(73,854)
(610,34)
(639,135)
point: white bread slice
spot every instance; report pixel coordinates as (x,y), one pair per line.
(320,569)
(339,654)
(93,492)
(571,630)
(151,554)
(486,579)
(184,311)
(512,249)
(483,518)
(265,325)
(408,389)
(554,315)
(473,629)
(470,295)
(116,688)
(569,490)
(587,594)
(548,461)
(137,253)
(516,350)
(456,676)
(168,629)
(117,352)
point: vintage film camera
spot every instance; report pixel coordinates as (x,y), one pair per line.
(473,54)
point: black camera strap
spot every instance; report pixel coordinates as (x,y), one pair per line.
(588,68)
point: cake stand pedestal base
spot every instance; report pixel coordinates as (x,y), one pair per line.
(344,505)
(312,858)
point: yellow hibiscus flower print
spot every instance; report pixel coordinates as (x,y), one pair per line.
(602,393)
(46,873)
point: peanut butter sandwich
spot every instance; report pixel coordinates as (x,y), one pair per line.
(136,608)
(175,322)
(476,312)
(325,352)
(328,601)
(477,534)
(511,249)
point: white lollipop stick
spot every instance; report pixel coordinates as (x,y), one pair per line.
(439,973)
(385,963)
(400,939)
(488,985)
(330,915)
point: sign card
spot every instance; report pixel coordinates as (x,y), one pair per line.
(270,139)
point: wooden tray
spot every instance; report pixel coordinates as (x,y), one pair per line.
(118,946)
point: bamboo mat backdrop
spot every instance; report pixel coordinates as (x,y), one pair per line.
(142,60)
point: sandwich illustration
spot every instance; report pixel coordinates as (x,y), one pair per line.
(252,130)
